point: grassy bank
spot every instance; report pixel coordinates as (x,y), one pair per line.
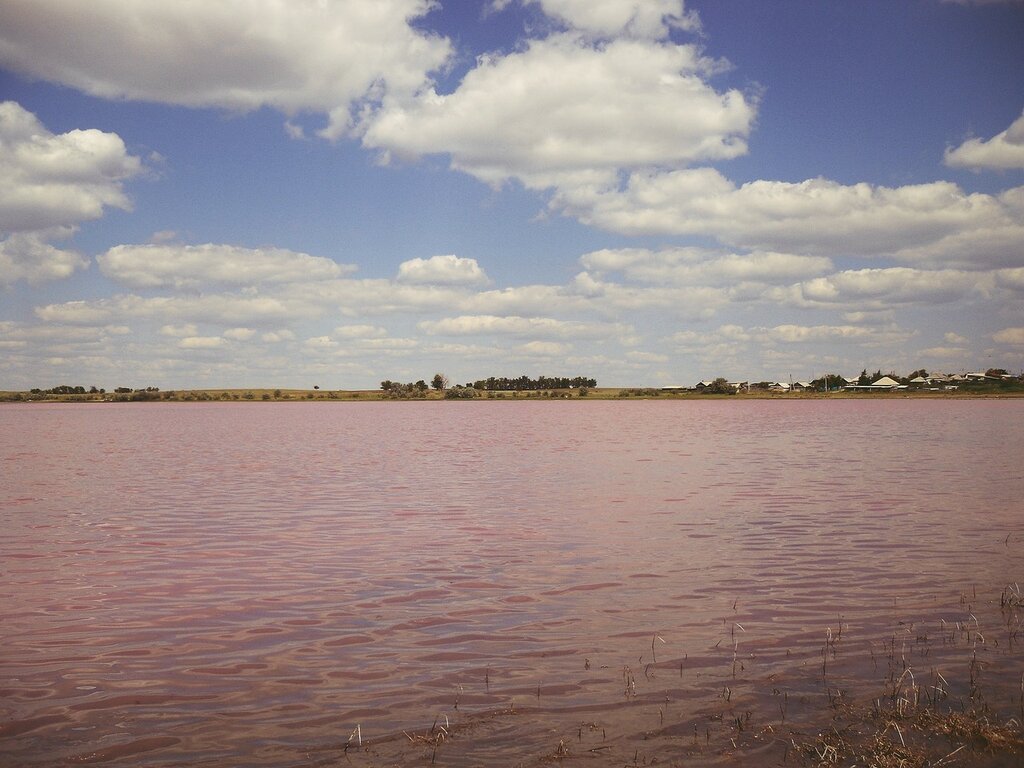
(595,393)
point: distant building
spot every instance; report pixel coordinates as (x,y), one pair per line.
(884,384)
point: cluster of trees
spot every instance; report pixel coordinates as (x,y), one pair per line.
(833,381)
(719,386)
(66,389)
(460,393)
(92,393)
(440,383)
(524,383)
(397,390)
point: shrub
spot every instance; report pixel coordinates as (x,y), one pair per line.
(460,393)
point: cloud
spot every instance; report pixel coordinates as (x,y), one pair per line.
(192,266)
(57,181)
(815,216)
(1009,336)
(537,327)
(201,342)
(647,357)
(442,270)
(880,288)
(1012,279)
(524,300)
(612,18)
(19,332)
(757,352)
(51,184)
(239,334)
(274,337)
(188,329)
(954,338)
(372,296)
(796,334)
(1002,152)
(544,349)
(562,112)
(697,266)
(320,342)
(943,353)
(27,257)
(221,309)
(360,332)
(387,344)
(300,56)
(870,316)
(786,334)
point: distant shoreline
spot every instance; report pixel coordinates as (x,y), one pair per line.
(594,393)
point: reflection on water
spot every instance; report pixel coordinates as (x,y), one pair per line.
(244,584)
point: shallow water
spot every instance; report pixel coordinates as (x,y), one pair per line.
(272,584)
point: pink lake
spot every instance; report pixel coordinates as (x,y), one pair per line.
(680,582)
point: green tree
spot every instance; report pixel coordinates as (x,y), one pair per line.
(439,382)
(460,393)
(720,386)
(830,382)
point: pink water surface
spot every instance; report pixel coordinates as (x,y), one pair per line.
(246,583)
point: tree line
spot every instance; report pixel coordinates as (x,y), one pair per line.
(525,383)
(440,383)
(67,389)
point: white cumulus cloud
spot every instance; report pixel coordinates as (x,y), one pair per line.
(192,266)
(293,55)
(880,288)
(57,181)
(697,266)
(1009,336)
(1013,279)
(536,327)
(239,334)
(632,18)
(221,309)
(188,329)
(360,332)
(815,216)
(544,349)
(563,112)
(442,270)
(201,342)
(49,184)
(1003,151)
(26,257)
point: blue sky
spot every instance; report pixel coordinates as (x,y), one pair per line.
(266,193)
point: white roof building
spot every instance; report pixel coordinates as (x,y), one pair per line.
(885,381)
